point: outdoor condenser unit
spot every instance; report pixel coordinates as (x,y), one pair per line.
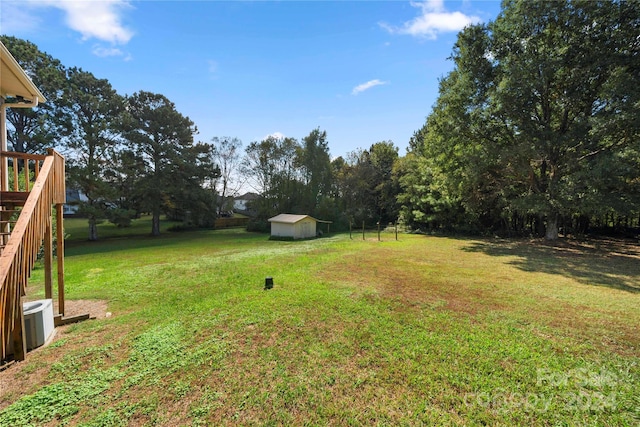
(38,322)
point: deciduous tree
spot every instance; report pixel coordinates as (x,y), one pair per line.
(540,113)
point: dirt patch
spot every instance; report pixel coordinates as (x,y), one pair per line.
(95,308)
(403,280)
(22,378)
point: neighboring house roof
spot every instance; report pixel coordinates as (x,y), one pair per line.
(290,218)
(75,196)
(15,82)
(248,196)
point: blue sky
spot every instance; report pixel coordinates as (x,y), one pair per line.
(364,71)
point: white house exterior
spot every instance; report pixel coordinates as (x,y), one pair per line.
(293,226)
(240,202)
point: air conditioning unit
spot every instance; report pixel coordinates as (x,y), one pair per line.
(38,322)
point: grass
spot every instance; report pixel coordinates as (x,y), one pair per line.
(77,229)
(420,331)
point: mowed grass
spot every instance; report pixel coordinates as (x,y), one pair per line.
(77,229)
(420,331)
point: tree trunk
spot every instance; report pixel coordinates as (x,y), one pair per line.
(93,229)
(551,232)
(155,224)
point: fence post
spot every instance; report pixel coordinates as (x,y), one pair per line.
(362,230)
(378,223)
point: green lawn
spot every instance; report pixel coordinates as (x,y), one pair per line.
(77,229)
(421,331)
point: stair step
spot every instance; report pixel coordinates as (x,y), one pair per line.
(6,217)
(14,197)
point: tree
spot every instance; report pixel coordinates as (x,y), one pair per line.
(269,166)
(32,130)
(383,156)
(174,168)
(91,109)
(315,164)
(538,101)
(122,177)
(367,184)
(226,158)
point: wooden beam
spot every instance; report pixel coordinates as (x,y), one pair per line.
(18,335)
(7,365)
(48,261)
(60,251)
(58,320)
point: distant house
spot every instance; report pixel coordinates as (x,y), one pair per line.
(240,202)
(294,226)
(74,197)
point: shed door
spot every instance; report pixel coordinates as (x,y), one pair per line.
(306,229)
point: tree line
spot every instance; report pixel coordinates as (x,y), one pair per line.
(134,154)
(537,127)
(535,131)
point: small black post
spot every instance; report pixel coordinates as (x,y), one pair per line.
(378,223)
(268,283)
(350,223)
(362,230)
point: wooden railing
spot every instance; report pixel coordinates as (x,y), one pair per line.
(33,226)
(26,163)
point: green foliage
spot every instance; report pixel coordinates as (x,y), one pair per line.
(271,169)
(33,130)
(121,217)
(226,159)
(315,167)
(58,401)
(529,123)
(172,168)
(367,184)
(91,110)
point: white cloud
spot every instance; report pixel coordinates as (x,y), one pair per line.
(100,20)
(106,51)
(276,135)
(368,85)
(433,20)
(96,19)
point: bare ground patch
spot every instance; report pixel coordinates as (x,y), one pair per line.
(405,280)
(23,378)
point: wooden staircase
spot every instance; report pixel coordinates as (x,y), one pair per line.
(25,225)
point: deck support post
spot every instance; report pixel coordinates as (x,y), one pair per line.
(48,260)
(60,252)
(18,335)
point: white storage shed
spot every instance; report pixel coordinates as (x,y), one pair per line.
(293,226)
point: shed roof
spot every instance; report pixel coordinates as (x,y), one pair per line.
(14,82)
(290,218)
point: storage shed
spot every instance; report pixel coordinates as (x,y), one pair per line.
(293,226)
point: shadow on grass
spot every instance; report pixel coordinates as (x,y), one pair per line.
(598,262)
